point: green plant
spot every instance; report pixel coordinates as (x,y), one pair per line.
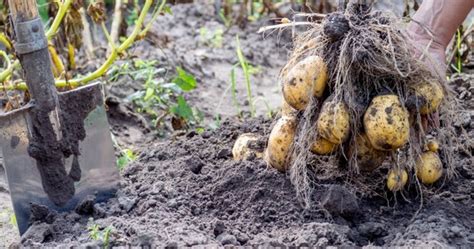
(98,234)
(11,216)
(139,32)
(247,71)
(126,157)
(227,21)
(458,54)
(211,38)
(43,10)
(159,98)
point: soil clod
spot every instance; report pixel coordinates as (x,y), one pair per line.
(338,200)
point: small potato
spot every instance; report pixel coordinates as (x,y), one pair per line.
(242,149)
(287,110)
(307,77)
(279,143)
(397,179)
(386,123)
(368,158)
(432,145)
(323,147)
(429,167)
(334,122)
(432,95)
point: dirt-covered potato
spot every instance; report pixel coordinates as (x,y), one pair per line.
(334,122)
(287,110)
(431,95)
(429,167)
(245,146)
(279,143)
(323,147)
(307,77)
(432,145)
(368,158)
(397,179)
(386,123)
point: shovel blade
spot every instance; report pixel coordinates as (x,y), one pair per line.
(98,171)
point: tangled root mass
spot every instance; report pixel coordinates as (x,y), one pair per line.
(367,53)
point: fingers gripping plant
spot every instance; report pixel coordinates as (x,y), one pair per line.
(96,11)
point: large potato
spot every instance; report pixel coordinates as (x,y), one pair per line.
(279,143)
(368,158)
(432,95)
(243,149)
(308,77)
(429,167)
(397,179)
(323,147)
(386,123)
(334,122)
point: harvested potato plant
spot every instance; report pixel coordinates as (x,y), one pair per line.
(375,102)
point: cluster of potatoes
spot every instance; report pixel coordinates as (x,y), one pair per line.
(386,125)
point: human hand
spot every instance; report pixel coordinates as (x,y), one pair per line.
(428,50)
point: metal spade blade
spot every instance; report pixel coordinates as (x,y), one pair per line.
(92,172)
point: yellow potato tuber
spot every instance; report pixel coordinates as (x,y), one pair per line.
(279,143)
(429,167)
(287,110)
(397,179)
(334,122)
(308,77)
(386,123)
(432,95)
(323,147)
(432,145)
(368,158)
(242,149)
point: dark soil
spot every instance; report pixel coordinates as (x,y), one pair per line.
(190,192)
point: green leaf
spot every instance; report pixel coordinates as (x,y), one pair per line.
(184,80)
(149,93)
(200,130)
(182,109)
(43,6)
(167,10)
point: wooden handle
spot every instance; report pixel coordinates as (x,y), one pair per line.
(23,10)
(37,63)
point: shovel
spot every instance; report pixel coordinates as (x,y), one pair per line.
(57,149)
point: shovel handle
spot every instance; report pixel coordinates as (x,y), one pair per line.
(31,47)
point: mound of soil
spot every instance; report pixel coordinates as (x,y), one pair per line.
(191,192)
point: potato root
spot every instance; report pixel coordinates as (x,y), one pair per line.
(386,123)
(429,167)
(323,147)
(397,179)
(279,143)
(306,77)
(431,94)
(368,158)
(334,122)
(243,149)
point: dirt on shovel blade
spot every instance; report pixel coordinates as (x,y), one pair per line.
(50,154)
